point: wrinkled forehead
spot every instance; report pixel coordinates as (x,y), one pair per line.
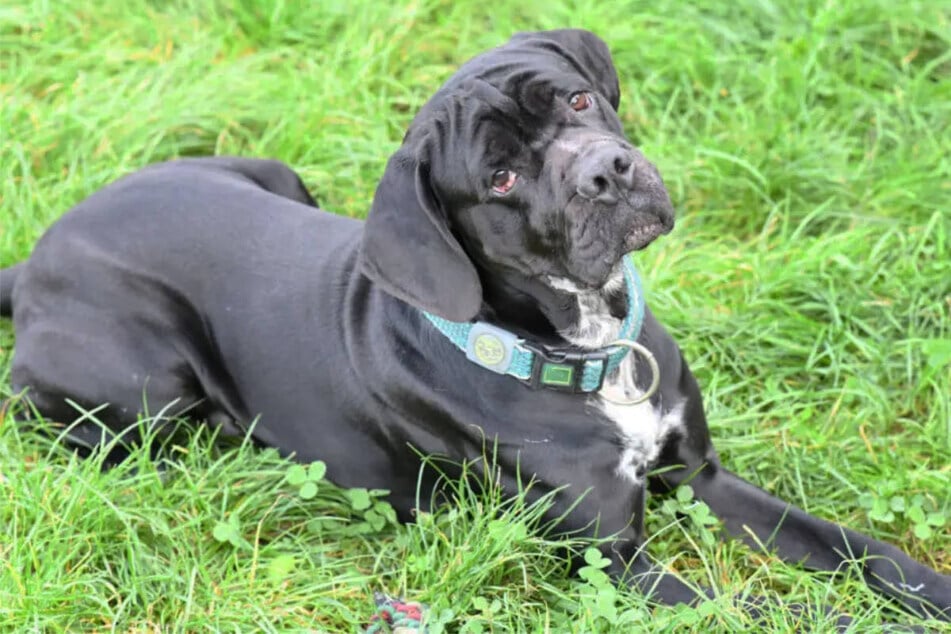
(529,70)
(502,104)
(510,82)
(507,103)
(555,57)
(479,128)
(514,71)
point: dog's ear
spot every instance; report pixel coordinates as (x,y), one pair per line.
(586,52)
(409,250)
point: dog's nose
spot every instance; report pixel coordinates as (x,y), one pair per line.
(605,172)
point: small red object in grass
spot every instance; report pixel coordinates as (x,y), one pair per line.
(395,616)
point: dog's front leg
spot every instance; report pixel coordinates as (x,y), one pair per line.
(640,571)
(757,517)
(599,504)
(632,565)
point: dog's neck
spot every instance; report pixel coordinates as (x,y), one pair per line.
(555,311)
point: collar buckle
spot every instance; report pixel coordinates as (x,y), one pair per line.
(567,370)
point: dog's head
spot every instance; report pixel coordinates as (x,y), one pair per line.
(515,175)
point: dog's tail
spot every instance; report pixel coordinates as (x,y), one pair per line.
(8,277)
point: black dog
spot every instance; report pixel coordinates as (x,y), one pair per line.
(215,287)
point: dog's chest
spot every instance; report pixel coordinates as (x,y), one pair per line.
(642,428)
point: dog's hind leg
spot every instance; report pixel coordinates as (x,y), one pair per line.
(101,382)
(8,278)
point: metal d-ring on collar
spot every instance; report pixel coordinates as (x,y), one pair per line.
(655,373)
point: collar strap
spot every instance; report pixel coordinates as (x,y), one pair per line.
(566,369)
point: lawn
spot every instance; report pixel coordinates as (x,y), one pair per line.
(806,148)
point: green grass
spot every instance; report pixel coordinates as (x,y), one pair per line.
(806,148)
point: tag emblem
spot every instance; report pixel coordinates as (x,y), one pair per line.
(488,349)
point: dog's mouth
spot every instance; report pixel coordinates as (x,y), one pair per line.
(595,266)
(638,237)
(643,234)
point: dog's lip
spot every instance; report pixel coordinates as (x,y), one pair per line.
(643,234)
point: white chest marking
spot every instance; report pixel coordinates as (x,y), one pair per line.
(643,428)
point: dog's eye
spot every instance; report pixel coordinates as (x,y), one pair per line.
(503,181)
(580,101)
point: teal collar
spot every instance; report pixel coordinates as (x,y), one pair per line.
(564,369)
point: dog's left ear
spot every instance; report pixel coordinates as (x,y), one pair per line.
(409,250)
(586,52)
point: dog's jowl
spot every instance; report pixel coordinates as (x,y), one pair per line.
(488,299)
